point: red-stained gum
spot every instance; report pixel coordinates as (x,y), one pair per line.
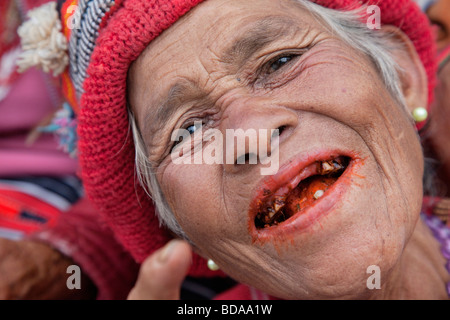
(312,215)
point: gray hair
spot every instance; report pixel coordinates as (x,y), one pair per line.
(347,25)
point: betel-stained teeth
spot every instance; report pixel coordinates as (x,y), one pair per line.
(279,203)
(331,166)
(274,210)
(327,168)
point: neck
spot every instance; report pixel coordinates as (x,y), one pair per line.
(421,272)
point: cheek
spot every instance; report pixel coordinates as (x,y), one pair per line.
(193,194)
(344,87)
(357,98)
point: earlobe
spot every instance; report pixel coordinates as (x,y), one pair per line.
(412,75)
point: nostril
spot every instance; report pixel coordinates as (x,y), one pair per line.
(281,129)
(278,132)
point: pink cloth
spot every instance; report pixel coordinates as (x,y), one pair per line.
(27,104)
(79,233)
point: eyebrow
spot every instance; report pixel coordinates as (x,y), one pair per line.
(258,36)
(255,37)
(182,91)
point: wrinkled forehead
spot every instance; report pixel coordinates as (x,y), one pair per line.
(217,30)
(216,22)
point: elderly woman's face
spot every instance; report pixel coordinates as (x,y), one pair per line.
(269,65)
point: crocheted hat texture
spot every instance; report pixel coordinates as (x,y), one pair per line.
(112,34)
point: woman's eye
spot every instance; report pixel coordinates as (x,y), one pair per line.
(192,128)
(279,62)
(181,135)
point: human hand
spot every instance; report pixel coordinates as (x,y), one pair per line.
(162,274)
(34,271)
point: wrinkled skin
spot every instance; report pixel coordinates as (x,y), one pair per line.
(328,96)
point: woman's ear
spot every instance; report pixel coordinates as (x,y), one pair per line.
(413,78)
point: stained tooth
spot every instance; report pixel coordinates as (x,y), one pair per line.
(270,213)
(277,207)
(279,203)
(338,160)
(318,194)
(337,166)
(326,167)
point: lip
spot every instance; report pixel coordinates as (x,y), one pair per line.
(287,178)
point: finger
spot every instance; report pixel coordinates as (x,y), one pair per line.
(162,274)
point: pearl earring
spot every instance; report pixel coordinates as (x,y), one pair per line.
(420,114)
(212,265)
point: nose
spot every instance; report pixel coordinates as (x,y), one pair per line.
(254,130)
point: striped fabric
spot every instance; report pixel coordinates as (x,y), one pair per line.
(83,37)
(30,203)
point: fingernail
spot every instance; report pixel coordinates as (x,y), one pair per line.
(167,251)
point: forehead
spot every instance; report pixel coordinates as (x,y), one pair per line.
(223,28)
(215,22)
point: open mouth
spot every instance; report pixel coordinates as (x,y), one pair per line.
(301,193)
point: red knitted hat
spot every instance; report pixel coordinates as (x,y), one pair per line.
(111,36)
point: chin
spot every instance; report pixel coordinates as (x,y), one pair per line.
(318,225)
